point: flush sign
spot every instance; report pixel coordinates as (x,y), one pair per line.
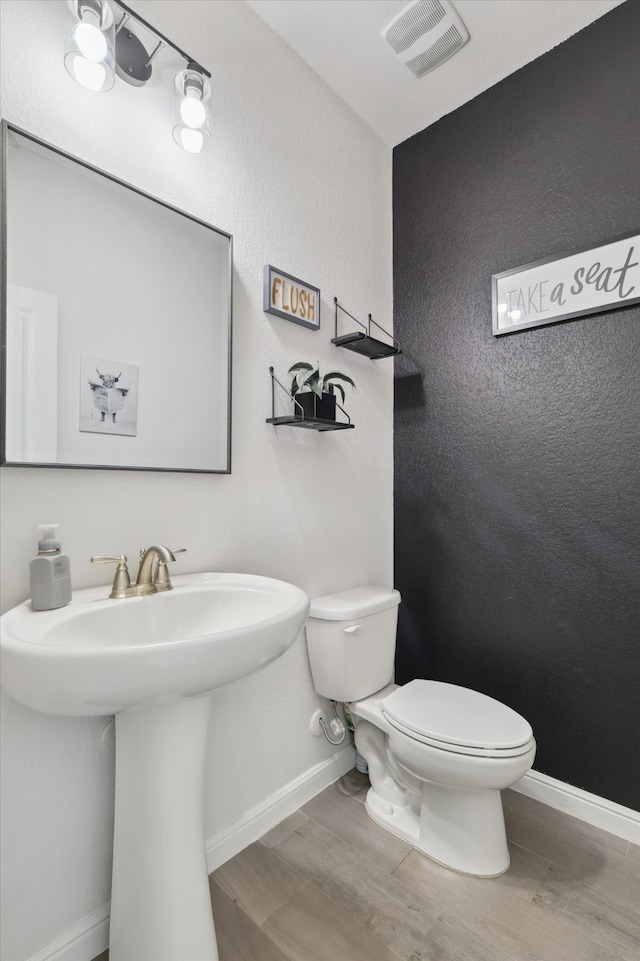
(291,298)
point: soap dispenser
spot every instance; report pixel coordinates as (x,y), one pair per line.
(50,572)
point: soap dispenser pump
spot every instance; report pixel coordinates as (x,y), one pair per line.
(50,572)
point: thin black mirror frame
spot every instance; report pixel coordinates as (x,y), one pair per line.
(8,128)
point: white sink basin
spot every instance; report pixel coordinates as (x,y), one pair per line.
(102,656)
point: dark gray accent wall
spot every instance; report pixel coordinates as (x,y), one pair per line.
(517,459)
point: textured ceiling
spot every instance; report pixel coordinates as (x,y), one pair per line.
(341,40)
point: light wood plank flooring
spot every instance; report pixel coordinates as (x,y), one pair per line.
(327,884)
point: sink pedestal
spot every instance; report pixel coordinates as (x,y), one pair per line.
(160,902)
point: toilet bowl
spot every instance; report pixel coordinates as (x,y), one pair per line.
(438,754)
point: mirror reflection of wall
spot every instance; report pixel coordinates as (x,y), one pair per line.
(98,270)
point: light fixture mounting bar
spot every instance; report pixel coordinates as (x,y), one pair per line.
(153,53)
(159,36)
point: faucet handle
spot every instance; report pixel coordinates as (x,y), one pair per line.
(107,559)
(161,578)
(121,581)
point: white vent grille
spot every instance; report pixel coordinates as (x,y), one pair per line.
(412,23)
(425,34)
(445,47)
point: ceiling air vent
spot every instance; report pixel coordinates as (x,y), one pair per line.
(425,34)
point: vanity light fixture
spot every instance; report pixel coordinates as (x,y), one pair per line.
(192,102)
(89,54)
(98,48)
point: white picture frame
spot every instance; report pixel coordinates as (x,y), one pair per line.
(591,281)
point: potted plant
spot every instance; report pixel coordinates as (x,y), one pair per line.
(315,393)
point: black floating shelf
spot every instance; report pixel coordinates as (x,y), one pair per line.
(298,419)
(364,344)
(361,341)
(310,423)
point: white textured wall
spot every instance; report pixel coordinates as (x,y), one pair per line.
(303,184)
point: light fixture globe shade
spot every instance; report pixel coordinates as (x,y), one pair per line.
(91,42)
(89,55)
(90,75)
(191,140)
(192,112)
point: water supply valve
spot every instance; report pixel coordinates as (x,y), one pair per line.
(335,728)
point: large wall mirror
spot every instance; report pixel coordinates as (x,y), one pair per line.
(116,320)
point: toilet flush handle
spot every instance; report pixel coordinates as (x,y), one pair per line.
(353,629)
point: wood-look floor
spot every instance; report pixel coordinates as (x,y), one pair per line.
(328,884)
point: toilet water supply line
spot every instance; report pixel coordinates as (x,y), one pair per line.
(335,724)
(338,726)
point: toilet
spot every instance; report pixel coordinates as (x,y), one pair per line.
(438,754)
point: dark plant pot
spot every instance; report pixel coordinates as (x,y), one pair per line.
(313,406)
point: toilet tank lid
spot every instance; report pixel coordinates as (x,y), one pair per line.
(356,602)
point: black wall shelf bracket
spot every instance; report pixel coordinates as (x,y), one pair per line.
(298,418)
(361,341)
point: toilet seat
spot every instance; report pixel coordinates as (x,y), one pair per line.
(457,719)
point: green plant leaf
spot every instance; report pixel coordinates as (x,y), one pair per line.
(305,373)
(337,387)
(301,365)
(336,375)
(308,377)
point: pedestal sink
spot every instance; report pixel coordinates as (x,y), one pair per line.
(152,661)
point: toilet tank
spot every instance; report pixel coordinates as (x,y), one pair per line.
(351,640)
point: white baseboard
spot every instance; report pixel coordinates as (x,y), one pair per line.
(82,941)
(259,819)
(604,814)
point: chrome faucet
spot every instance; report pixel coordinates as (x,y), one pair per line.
(149,580)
